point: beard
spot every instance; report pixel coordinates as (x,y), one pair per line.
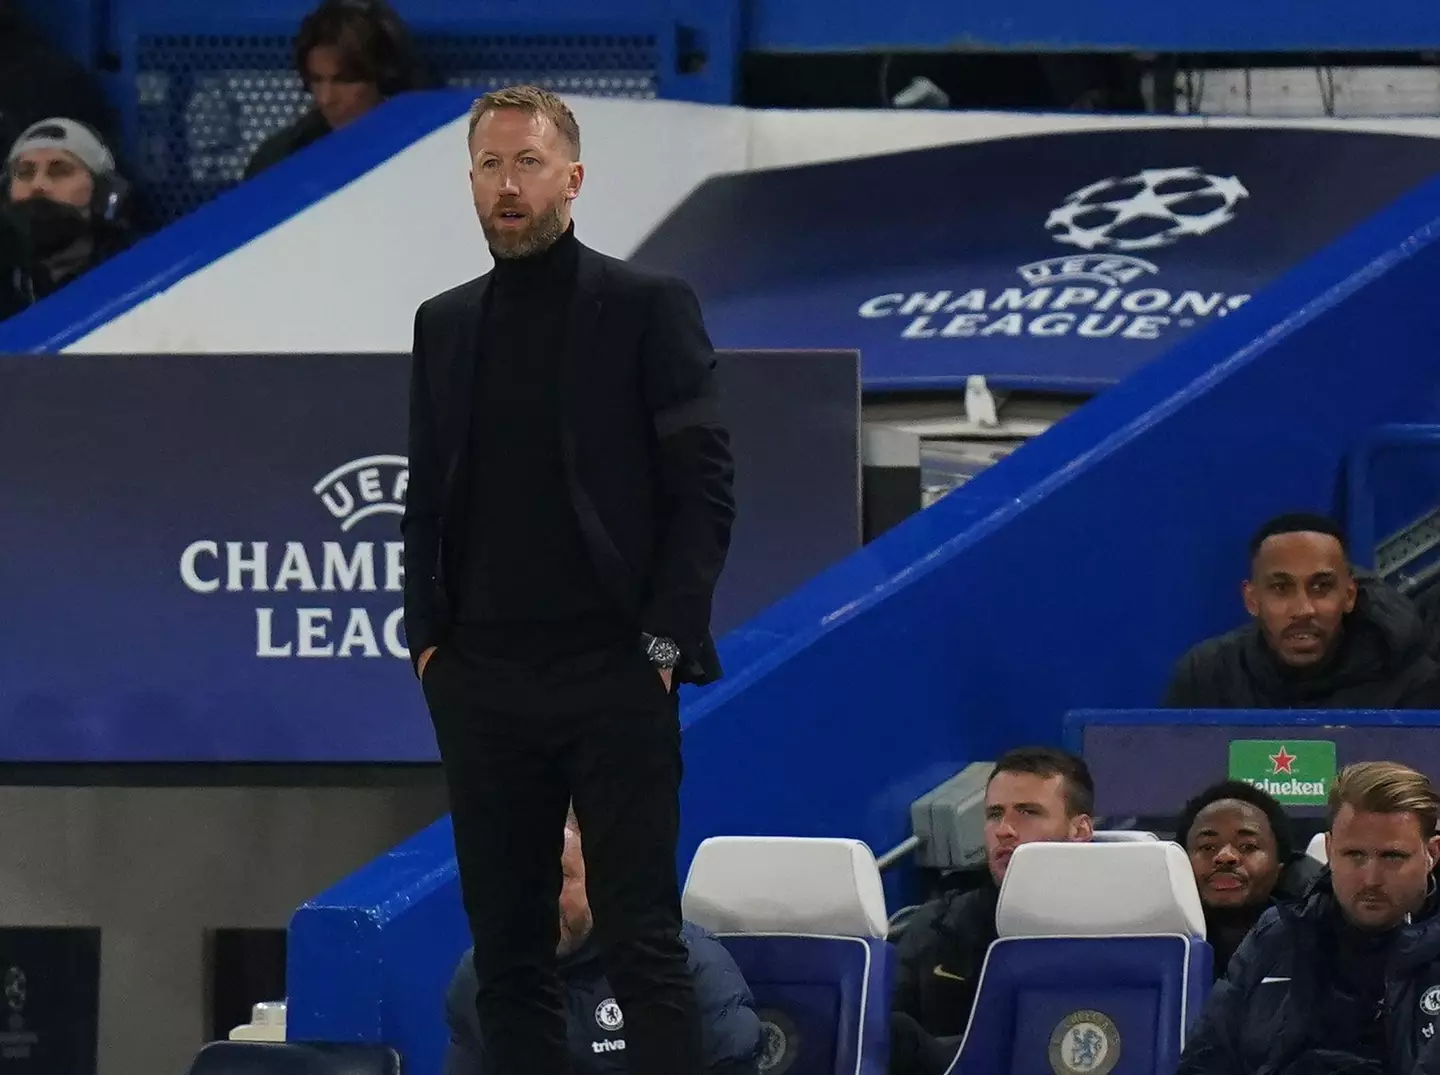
(538,235)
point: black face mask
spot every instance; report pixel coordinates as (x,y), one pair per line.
(45,227)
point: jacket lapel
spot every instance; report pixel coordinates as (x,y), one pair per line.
(581,323)
(460,382)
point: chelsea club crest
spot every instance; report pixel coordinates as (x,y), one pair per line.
(1085,1043)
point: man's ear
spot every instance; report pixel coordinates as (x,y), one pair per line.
(1082,829)
(1251,597)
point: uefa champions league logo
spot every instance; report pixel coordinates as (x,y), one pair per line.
(1150,209)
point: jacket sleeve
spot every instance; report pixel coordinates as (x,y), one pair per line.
(421,522)
(465,1054)
(1214,1046)
(695,471)
(729,1026)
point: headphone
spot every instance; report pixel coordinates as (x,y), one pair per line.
(111,201)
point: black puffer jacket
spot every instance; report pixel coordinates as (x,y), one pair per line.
(1307,994)
(940,956)
(1382,662)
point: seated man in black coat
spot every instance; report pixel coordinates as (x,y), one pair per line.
(1034,794)
(729,1026)
(1242,849)
(1321,638)
(1348,979)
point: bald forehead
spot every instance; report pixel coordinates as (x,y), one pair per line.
(1299,554)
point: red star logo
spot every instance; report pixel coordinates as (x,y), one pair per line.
(1282,761)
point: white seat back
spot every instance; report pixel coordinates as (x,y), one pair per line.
(1099,890)
(1124,836)
(1316,848)
(785,884)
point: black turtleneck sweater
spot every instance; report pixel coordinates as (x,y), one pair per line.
(529,588)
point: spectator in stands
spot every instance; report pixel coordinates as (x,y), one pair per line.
(1034,794)
(730,1028)
(351,55)
(1321,638)
(63,212)
(1349,978)
(37,80)
(1242,848)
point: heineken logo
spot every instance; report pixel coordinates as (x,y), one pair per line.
(1295,772)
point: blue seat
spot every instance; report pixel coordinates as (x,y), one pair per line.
(1101,967)
(805,921)
(295,1058)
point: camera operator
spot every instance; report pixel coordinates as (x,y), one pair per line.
(63,211)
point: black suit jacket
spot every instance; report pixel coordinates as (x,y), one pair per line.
(647,457)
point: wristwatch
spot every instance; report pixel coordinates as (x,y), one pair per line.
(664,654)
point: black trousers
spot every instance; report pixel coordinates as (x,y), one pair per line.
(512,770)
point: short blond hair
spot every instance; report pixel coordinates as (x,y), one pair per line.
(534,101)
(1385,787)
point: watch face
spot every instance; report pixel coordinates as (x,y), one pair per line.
(664,653)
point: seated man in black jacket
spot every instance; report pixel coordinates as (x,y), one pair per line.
(1242,848)
(1034,794)
(729,1026)
(1347,980)
(1321,638)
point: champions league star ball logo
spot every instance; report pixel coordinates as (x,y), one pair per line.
(1150,209)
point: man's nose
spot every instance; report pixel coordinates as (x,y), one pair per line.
(1227,855)
(508,184)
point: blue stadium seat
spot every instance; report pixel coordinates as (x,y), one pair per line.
(1101,966)
(294,1058)
(805,920)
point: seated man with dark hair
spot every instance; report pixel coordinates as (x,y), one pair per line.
(1242,848)
(729,1026)
(1034,794)
(1321,638)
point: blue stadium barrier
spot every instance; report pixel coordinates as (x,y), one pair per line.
(369,960)
(1071,574)
(1146,762)
(842,25)
(1100,26)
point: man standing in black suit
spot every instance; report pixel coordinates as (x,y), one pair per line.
(568,515)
